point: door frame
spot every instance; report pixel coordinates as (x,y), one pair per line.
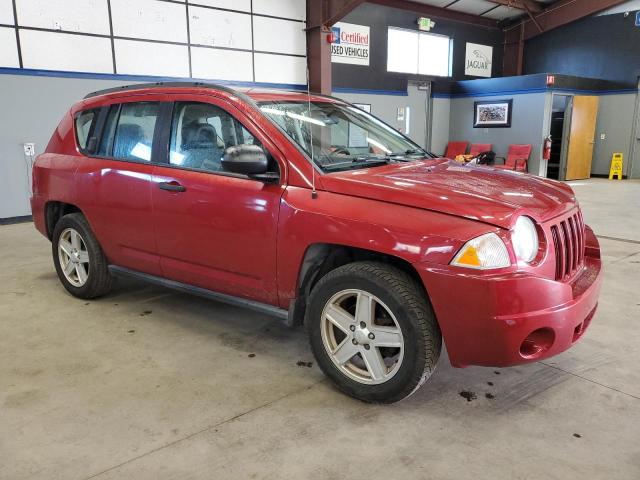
(634,147)
(566,130)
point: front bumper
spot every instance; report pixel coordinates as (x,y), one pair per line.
(489,320)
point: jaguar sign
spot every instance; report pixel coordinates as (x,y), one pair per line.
(478,60)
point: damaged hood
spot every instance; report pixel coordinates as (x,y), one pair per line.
(479,193)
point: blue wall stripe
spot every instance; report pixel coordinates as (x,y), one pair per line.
(366,91)
(141,78)
(533,90)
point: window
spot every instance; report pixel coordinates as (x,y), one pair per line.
(128,131)
(409,51)
(85,123)
(201,132)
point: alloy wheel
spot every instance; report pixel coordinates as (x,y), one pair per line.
(74,257)
(362,336)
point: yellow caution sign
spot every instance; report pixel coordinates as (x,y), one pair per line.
(616,166)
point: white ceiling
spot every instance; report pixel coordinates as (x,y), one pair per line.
(483,8)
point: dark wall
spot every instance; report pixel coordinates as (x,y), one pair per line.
(379,18)
(605,47)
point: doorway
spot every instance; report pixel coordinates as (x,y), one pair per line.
(561,109)
(572,130)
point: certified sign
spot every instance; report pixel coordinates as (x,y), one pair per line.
(351,44)
(478,60)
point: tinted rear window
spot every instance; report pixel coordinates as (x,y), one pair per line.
(128,131)
(85,124)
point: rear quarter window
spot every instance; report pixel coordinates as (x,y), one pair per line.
(85,124)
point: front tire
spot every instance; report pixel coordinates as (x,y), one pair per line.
(80,263)
(373,332)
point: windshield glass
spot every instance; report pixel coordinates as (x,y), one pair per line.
(339,136)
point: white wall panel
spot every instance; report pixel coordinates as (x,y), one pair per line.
(9,49)
(209,63)
(281,36)
(219,28)
(144,58)
(280,69)
(149,19)
(281,8)
(64,51)
(6,12)
(242,5)
(89,16)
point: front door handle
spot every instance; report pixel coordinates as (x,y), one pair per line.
(171,186)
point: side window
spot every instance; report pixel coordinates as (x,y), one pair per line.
(128,132)
(106,142)
(85,124)
(201,132)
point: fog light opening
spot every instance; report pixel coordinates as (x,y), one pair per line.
(537,342)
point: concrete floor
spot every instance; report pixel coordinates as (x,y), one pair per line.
(147,383)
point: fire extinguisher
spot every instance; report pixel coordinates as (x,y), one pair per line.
(546,149)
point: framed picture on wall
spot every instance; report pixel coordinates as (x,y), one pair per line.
(492,114)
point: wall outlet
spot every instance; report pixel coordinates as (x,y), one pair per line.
(603,136)
(29,149)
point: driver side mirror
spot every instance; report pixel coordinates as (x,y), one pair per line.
(250,160)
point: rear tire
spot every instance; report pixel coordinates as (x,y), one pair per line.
(373,332)
(80,263)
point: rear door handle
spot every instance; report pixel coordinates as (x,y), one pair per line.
(171,186)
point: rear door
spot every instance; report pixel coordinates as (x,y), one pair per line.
(215,229)
(114,182)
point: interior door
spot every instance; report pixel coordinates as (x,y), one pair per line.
(214,229)
(581,137)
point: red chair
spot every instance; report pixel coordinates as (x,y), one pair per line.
(456,148)
(478,148)
(517,158)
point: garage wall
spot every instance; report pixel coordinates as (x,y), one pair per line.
(379,18)
(32,121)
(615,121)
(235,40)
(53,52)
(528,124)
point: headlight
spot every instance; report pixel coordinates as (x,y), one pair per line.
(483,253)
(524,237)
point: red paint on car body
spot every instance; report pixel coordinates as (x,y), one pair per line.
(421,212)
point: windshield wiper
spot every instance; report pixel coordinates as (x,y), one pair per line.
(357,161)
(362,159)
(414,151)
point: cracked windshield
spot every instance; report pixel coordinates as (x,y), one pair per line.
(341,137)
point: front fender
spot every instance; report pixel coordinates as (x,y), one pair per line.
(411,234)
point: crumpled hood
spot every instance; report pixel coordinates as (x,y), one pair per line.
(476,192)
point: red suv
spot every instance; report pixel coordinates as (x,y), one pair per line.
(310,209)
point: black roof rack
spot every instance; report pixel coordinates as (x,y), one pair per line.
(139,86)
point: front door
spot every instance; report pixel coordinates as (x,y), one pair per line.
(214,229)
(581,137)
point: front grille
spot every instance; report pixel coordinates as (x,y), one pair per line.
(568,242)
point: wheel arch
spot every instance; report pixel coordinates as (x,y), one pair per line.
(54,211)
(321,258)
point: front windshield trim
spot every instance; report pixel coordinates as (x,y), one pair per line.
(373,160)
